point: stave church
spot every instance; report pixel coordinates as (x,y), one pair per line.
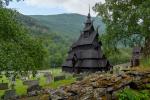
(85,55)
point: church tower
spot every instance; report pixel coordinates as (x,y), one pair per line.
(86,54)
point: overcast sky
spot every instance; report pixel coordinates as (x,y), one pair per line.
(50,7)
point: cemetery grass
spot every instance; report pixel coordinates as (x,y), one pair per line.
(22,89)
(60,83)
(130,94)
(145,62)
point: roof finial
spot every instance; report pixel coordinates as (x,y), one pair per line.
(89,15)
(89,9)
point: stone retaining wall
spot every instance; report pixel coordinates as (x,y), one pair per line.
(102,86)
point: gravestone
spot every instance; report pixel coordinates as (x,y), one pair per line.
(13,82)
(24,78)
(48,77)
(136,56)
(38,75)
(58,78)
(9,95)
(79,78)
(33,87)
(3,86)
(1,76)
(30,83)
(34,90)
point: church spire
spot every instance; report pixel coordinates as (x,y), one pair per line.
(88,21)
(89,9)
(89,15)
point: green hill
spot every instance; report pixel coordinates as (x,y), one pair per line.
(32,24)
(56,32)
(68,25)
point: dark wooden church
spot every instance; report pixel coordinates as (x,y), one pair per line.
(86,54)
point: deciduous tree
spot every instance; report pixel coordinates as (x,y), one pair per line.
(127,22)
(19,52)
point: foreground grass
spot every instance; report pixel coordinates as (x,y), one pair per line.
(129,94)
(145,62)
(20,88)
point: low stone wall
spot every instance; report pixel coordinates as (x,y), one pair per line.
(102,86)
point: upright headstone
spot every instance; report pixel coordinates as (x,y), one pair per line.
(33,87)
(136,56)
(3,86)
(48,77)
(9,95)
(30,83)
(1,76)
(58,78)
(13,82)
(33,90)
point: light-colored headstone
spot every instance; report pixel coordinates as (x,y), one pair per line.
(48,77)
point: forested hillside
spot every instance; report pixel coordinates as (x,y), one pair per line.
(68,25)
(33,25)
(56,45)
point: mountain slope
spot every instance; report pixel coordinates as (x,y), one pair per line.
(33,25)
(68,25)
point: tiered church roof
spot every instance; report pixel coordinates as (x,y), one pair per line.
(86,54)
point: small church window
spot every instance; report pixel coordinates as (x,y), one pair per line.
(86,35)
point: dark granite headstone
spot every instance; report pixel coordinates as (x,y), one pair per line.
(9,95)
(33,90)
(1,76)
(79,78)
(3,86)
(33,87)
(136,56)
(58,78)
